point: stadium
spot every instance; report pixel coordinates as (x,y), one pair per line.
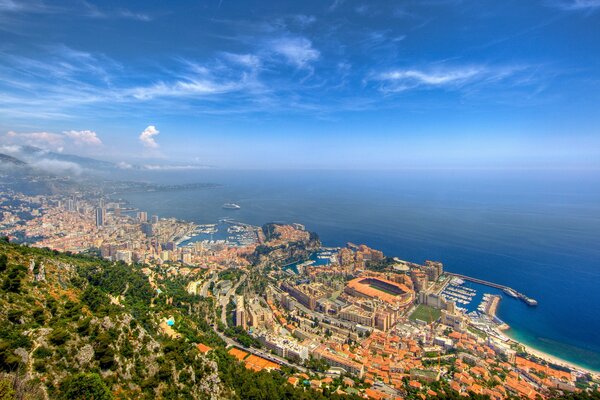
(380,288)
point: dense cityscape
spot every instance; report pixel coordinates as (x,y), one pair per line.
(347,320)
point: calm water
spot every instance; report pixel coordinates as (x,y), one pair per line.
(536,232)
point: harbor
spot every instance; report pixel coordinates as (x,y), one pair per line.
(506,289)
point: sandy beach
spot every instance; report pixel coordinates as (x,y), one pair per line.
(557,360)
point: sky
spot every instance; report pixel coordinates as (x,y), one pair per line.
(305,84)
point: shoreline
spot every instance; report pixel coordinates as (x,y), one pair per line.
(554,359)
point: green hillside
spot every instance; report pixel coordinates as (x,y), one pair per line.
(79,328)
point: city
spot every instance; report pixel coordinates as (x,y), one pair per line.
(349,319)
(299,200)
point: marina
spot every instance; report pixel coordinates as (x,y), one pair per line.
(508,290)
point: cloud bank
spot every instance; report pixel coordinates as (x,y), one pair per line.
(52,141)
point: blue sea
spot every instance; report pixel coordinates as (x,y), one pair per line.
(536,231)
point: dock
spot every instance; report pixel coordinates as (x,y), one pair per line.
(507,289)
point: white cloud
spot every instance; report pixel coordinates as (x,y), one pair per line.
(31,6)
(9,5)
(147,137)
(199,80)
(335,4)
(93,11)
(413,77)
(50,140)
(134,15)
(577,4)
(305,20)
(402,79)
(247,60)
(124,165)
(297,51)
(85,137)
(10,149)
(57,166)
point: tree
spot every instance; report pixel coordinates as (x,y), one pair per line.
(94,298)
(15,275)
(85,387)
(6,390)
(3,262)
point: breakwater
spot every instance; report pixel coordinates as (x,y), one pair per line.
(506,289)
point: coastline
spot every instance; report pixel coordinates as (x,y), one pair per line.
(557,360)
(504,328)
(532,350)
(552,358)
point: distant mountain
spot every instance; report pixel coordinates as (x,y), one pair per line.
(84,162)
(10,160)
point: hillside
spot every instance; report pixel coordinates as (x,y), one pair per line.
(78,327)
(10,160)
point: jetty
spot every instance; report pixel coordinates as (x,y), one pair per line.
(507,289)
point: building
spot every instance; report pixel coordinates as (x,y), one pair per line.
(100,217)
(147,229)
(240,312)
(307,294)
(123,255)
(356,314)
(186,258)
(259,316)
(142,216)
(432,299)
(419,279)
(433,269)
(286,347)
(287,301)
(336,360)
(454,320)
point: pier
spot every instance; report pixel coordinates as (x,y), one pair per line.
(507,289)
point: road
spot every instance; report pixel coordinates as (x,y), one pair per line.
(204,290)
(224,300)
(257,352)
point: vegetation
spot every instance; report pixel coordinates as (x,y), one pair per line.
(85,387)
(91,330)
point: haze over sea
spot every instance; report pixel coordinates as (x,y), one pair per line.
(536,231)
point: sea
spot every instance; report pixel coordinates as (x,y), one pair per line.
(535,231)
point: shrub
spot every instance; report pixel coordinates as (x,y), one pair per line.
(85,387)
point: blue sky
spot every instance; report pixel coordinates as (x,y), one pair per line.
(309,84)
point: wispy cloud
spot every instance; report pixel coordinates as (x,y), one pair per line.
(445,77)
(573,5)
(25,6)
(298,51)
(304,20)
(93,11)
(335,4)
